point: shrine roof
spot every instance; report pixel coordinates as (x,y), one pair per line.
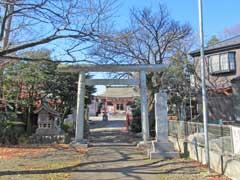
(48,109)
(120,92)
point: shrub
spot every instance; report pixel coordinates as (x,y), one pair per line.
(68,127)
(23,139)
(135,123)
(8,128)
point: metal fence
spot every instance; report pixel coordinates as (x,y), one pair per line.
(220,136)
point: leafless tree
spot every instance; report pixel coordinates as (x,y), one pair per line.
(151,38)
(229,32)
(65,25)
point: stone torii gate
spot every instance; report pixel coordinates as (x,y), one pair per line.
(82,82)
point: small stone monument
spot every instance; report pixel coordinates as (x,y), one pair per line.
(161,146)
(48,121)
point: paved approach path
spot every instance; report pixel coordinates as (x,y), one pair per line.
(113,156)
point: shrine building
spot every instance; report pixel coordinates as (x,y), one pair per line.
(115,100)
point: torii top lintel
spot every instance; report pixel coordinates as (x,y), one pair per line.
(112,68)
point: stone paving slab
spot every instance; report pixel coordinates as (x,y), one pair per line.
(127,163)
(113,156)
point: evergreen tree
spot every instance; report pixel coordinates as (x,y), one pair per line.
(214,40)
(29,82)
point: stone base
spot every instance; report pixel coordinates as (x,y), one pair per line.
(49,139)
(162,150)
(48,132)
(82,144)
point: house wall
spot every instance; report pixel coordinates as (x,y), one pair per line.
(221,107)
(236,99)
(218,80)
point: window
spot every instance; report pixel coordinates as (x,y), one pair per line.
(222,63)
(232,61)
(120,107)
(214,63)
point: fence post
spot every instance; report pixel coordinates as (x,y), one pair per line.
(222,152)
(231,135)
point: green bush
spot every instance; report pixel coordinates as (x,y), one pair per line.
(8,128)
(68,127)
(23,139)
(135,123)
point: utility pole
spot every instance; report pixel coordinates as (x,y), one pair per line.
(204,94)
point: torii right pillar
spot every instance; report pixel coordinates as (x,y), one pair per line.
(144,107)
(161,147)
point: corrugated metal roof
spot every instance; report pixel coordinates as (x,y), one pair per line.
(119,92)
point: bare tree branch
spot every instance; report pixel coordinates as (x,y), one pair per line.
(51,20)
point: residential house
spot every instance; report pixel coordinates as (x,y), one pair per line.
(222,67)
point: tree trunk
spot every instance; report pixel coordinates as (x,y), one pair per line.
(7,27)
(9,8)
(153,84)
(5,40)
(29,123)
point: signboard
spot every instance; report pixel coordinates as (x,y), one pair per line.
(236,139)
(192,80)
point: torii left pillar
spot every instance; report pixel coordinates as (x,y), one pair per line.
(144,110)
(79,135)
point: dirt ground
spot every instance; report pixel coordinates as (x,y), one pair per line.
(112,155)
(38,162)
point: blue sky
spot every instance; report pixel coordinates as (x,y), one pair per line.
(218,14)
